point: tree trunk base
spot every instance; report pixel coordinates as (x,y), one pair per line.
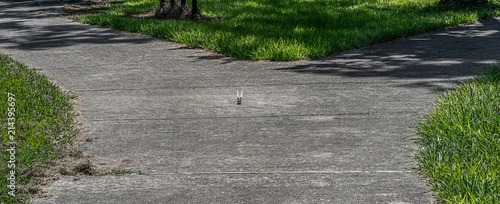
(179,13)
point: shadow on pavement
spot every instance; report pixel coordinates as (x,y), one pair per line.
(43,34)
(458,52)
(454,53)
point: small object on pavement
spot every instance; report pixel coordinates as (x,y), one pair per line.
(239,97)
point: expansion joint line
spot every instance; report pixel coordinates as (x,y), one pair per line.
(284,172)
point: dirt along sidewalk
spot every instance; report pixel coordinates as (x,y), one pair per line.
(332,130)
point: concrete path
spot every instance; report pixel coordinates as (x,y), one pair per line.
(333,130)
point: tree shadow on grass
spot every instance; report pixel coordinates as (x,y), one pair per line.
(315,30)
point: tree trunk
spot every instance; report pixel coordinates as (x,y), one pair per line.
(195,7)
(180,12)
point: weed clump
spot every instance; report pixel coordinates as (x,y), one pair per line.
(460,142)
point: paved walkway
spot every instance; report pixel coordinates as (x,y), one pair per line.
(331,130)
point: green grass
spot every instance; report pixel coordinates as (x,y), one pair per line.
(460,142)
(43,120)
(292,29)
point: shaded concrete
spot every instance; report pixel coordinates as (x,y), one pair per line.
(332,130)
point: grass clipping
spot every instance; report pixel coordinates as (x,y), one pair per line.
(88,7)
(47,134)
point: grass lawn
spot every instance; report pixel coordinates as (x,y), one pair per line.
(39,116)
(291,29)
(460,142)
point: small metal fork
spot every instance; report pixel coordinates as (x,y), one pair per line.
(239,97)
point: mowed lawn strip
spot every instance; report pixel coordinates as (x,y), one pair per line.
(42,121)
(460,142)
(291,29)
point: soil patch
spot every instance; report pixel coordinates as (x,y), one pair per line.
(71,161)
(176,13)
(89,7)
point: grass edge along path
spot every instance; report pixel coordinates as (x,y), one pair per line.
(36,119)
(459,144)
(291,29)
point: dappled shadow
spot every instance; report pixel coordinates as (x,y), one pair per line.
(458,52)
(31,26)
(455,53)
